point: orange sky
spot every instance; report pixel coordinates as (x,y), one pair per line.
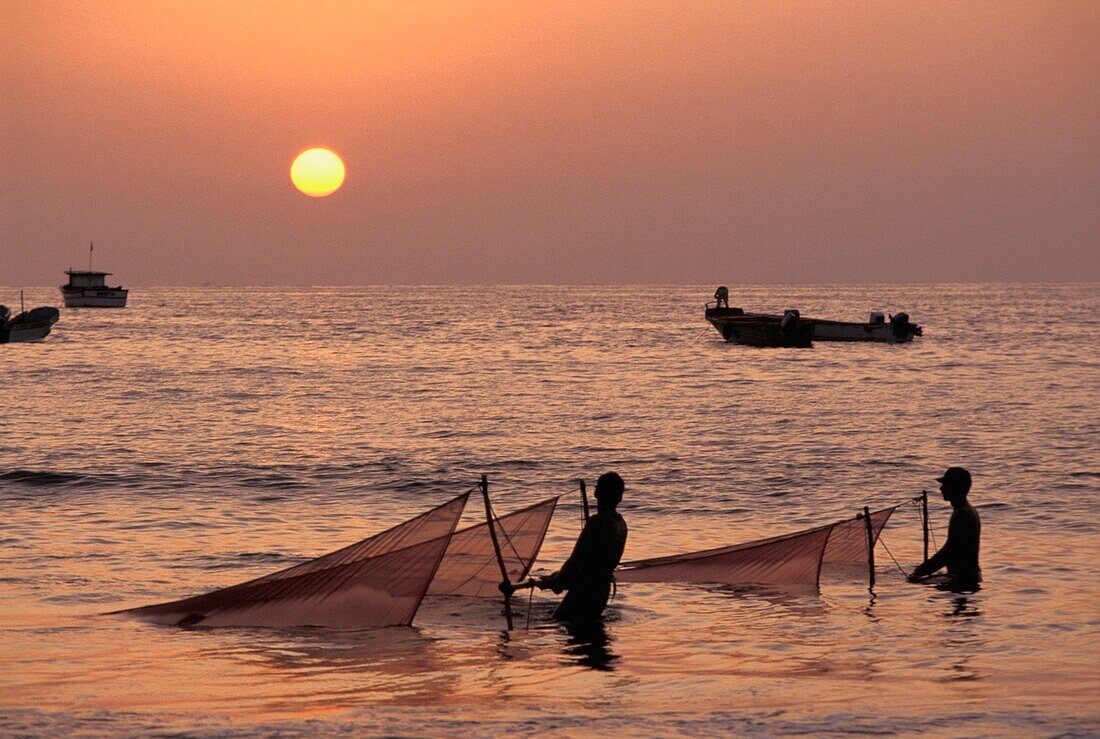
(552,142)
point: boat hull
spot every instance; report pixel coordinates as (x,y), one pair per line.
(764,332)
(34,325)
(826,330)
(24,333)
(93,298)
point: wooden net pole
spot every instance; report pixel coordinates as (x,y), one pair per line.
(870,547)
(505,584)
(584,500)
(924,520)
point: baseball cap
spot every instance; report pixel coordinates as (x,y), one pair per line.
(955,475)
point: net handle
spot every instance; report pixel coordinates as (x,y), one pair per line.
(505,585)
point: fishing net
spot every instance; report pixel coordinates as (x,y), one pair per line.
(470,566)
(791,560)
(848,540)
(381,580)
(378,581)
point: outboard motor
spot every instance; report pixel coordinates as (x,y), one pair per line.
(789,322)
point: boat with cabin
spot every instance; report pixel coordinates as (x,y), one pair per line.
(89,289)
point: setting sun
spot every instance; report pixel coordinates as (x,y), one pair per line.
(317,172)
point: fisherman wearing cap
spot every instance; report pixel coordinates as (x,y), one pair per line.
(722,297)
(959,554)
(587,574)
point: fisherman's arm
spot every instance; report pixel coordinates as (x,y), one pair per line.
(563,578)
(942,558)
(936,562)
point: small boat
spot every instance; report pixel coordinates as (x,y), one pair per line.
(88,289)
(788,330)
(898,330)
(32,325)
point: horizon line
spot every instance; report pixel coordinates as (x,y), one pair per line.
(577,284)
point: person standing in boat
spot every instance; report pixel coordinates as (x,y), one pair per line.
(588,573)
(959,554)
(722,297)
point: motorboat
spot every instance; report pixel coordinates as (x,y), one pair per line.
(898,329)
(788,330)
(88,288)
(32,325)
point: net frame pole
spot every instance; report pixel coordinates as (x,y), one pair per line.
(584,500)
(924,520)
(504,582)
(870,547)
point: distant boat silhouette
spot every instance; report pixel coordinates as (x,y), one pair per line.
(88,289)
(898,330)
(32,325)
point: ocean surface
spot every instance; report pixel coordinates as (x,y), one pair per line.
(201,437)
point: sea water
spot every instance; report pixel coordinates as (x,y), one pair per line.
(201,437)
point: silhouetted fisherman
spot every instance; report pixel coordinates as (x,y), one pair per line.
(722,297)
(587,574)
(959,554)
